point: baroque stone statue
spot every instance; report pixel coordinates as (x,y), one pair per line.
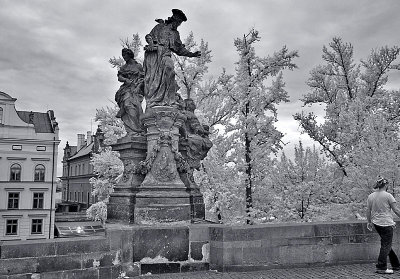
(160,85)
(158,179)
(197,136)
(129,97)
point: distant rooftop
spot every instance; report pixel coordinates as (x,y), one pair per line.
(83,151)
(40,120)
(4,95)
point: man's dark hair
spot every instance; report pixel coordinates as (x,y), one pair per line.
(380,183)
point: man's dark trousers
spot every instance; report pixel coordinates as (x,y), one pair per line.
(386,234)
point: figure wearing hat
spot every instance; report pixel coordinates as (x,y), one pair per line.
(160,85)
(379,215)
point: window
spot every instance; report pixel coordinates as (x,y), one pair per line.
(39,173)
(17,147)
(1,115)
(40,148)
(13,200)
(11,227)
(37,226)
(38,200)
(83,168)
(15,172)
(75,197)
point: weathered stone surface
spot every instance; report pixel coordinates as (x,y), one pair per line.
(350,253)
(356,228)
(193,267)
(162,213)
(109,272)
(58,263)
(216,257)
(99,259)
(216,233)
(121,239)
(21,276)
(131,269)
(81,245)
(121,207)
(339,229)
(25,265)
(71,274)
(267,246)
(158,268)
(340,239)
(170,243)
(23,249)
(199,233)
(196,250)
(105,273)
(321,229)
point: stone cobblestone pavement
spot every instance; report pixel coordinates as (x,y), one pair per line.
(327,272)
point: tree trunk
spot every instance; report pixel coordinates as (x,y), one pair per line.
(248,182)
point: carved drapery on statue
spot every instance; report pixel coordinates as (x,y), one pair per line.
(159,84)
(197,136)
(129,97)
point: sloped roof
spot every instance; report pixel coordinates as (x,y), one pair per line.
(40,120)
(83,151)
(4,95)
(74,149)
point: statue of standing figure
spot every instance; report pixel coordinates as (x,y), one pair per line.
(129,97)
(159,81)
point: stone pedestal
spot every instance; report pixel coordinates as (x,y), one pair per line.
(162,196)
(121,206)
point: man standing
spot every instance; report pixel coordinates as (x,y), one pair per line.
(379,206)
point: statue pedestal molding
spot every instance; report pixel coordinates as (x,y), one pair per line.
(162,196)
(121,205)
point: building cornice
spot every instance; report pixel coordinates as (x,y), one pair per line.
(16,158)
(40,159)
(22,140)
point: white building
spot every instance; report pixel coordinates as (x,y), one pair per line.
(28,155)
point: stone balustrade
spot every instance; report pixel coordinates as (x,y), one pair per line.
(137,249)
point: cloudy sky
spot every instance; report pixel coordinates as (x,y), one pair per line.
(54,54)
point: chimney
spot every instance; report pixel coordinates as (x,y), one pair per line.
(89,137)
(81,141)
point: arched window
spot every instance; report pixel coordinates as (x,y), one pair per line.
(15,172)
(39,173)
(1,115)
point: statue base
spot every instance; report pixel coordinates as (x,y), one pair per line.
(121,205)
(162,197)
(166,193)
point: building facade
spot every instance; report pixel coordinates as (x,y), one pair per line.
(77,170)
(28,155)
